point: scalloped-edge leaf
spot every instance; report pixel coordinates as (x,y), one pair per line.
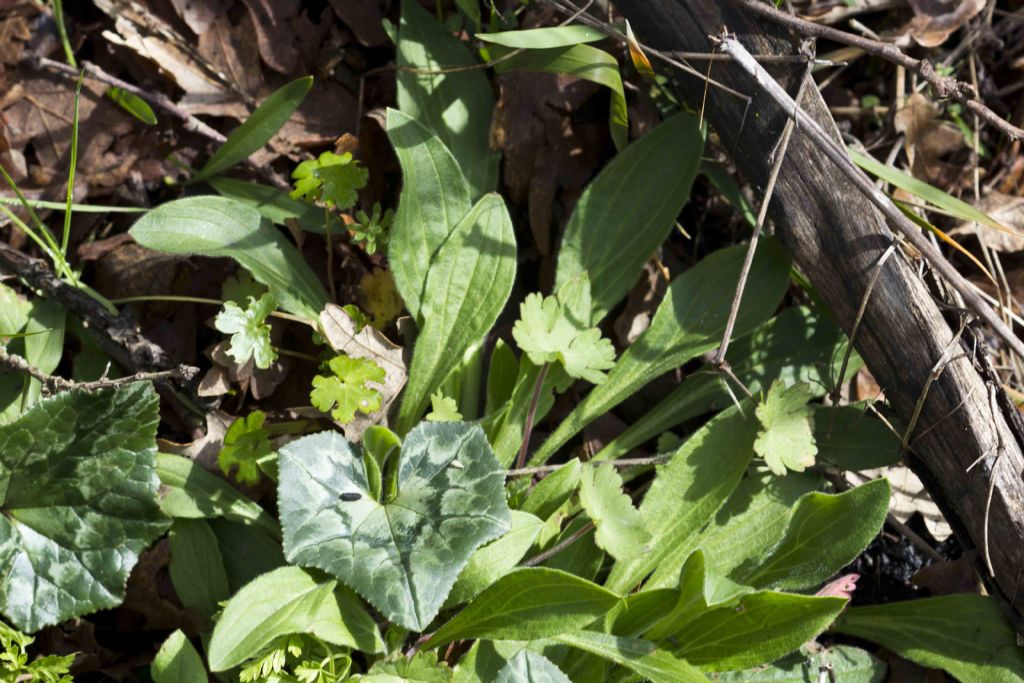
(78,502)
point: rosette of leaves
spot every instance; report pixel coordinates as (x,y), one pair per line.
(78,487)
(250,333)
(556,329)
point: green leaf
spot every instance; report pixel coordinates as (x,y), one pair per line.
(687,491)
(331,178)
(434,198)
(501,376)
(467,287)
(404,555)
(257,130)
(548,331)
(187,491)
(527,604)
(422,667)
(620,526)
(786,440)
(133,104)
(922,190)
(639,656)
(496,559)
(276,205)
(850,664)
(443,408)
(245,442)
(43,346)
(824,535)
(246,551)
(849,439)
(794,346)
(78,501)
(285,601)
(426,53)
(753,521)
(581,61)
(177,662)
(347,388)
(965,635)
(653,175)
(689,322)
(548,37)
(764,627)
(250,333)
(218,227)
(530,667)
(553,490)
(196,568)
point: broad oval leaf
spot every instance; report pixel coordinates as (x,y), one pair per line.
(285,601)
(187,491)
(78,501)
(965,635)
(275,204)
(530,667)
(764,627)
(177,662)
(434,198)
(689,322)
(652,177)
(404,555)
(467,287)
(687,491)
(825,534)
(219,227)
(196,566)
(256,131)
(639,656)
(426,52)
(528,604)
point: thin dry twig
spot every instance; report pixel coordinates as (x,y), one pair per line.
(896,219)
(945,86)
(554,550)
(53,384)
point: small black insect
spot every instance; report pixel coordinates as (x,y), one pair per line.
(350,497)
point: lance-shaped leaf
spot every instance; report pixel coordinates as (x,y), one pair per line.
(435,197)
(467,287)
(78,501)
(402,555)
(689,322)
(427,92)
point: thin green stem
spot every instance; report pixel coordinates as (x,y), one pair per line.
(66,236)
(21,225)
(297,354)
(58,16)
(81,208)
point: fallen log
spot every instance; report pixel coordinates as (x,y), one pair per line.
(966,443)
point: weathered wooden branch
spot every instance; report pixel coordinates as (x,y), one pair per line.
(967,441)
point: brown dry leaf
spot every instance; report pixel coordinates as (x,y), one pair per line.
(277,41)
(948,578)
(125,268)
(261,383)
(207,88)
(908,496)
(15,32)
(230,47)
(935,20)
(364,18)
(199,14)
(1005,210)
(927,138)
(544,152)
(340,331)
(203,451)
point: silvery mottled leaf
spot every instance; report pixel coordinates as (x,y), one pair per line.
(405,554)
(78,490)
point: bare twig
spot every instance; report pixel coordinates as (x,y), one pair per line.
(551,552)
(896,219)
(945,86)
(769,189)
(53,384)
(625,462)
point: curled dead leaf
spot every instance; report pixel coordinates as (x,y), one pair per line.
(935,20)
(927,138)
